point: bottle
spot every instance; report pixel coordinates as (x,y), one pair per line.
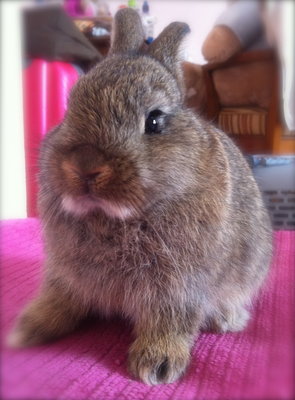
(133,4)
(148,22)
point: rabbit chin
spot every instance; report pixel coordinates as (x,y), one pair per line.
(83,205)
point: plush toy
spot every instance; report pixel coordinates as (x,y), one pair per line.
(239,27)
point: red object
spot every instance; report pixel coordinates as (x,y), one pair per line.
(46,89)
(90,364)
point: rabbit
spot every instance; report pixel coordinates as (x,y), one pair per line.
(147,211)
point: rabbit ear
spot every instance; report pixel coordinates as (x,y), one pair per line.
(127,33)
(166,47)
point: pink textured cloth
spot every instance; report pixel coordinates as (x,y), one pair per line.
(91,363)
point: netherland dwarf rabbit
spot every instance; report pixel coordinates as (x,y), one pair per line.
(147,211)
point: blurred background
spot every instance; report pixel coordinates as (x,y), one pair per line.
(238,70)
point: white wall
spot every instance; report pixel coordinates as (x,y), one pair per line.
(13,198)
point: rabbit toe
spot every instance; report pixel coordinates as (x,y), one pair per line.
(153,365)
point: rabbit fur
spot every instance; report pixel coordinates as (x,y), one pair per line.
(165,228)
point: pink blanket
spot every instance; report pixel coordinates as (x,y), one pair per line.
(91,363)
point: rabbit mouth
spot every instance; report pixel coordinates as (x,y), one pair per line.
(83,205)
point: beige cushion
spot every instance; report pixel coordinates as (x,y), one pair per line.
(243,121)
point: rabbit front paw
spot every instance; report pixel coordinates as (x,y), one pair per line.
(158,362)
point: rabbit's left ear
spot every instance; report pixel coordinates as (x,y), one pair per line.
(166,47)
(127,33)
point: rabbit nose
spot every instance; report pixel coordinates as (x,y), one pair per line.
(92,176)
(98,177)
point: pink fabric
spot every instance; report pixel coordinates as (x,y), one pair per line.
(91,363)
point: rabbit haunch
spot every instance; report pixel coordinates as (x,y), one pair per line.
(148,211)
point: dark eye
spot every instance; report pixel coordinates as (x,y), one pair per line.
(154,122)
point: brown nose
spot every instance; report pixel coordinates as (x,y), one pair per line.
(99,175)
(87,178)
(91,176)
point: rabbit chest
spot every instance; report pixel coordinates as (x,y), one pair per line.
(123,268)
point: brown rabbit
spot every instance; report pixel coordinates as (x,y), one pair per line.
(147,211)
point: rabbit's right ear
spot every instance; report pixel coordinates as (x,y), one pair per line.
(127,33)
(166,47)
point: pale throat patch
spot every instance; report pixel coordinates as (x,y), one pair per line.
(81,206)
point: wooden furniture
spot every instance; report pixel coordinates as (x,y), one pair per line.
(86,25)
(255,129)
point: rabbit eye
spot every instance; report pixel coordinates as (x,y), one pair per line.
(154,122)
